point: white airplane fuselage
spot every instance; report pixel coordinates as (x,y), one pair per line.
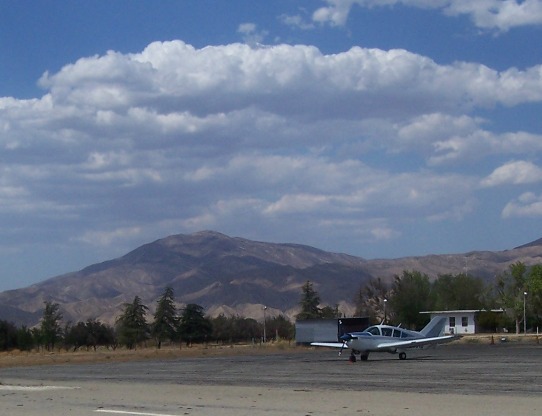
(392,339)
(374,340)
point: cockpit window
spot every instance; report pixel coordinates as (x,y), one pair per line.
(387,332)
(373,330)
(397,333)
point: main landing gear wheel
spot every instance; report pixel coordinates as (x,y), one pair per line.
(352,358)
(402,355)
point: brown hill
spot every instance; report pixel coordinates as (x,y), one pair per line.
(232,276)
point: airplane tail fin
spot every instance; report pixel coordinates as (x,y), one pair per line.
(435,327)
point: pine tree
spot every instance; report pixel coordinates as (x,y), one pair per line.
(50,330)
(309,303)
(132,325)
(194,326)
(164,326)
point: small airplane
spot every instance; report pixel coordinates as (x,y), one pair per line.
(392,339)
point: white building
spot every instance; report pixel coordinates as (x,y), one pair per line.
(460,322)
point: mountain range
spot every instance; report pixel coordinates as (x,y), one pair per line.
(234,276)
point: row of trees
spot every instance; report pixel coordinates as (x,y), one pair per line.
(310,305)
(518,292)
(190,325)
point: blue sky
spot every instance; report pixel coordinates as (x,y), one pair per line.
(376,128)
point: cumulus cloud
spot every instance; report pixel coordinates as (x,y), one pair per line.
(500,15)
(335,14)
(296,21)
(480,143)
(251,34)
(527,205)
(447,139)
(171,77)
(515,172)
(232,136)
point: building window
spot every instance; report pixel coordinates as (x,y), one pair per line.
(452,321)
(464,321)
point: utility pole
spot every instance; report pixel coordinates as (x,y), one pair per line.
(524,315)
(264,334)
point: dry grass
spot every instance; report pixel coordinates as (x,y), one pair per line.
(499,338)
(24,358)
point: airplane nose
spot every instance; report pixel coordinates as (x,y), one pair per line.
(346,337)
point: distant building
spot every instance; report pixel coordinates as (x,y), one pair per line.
(327,330)
(461,322)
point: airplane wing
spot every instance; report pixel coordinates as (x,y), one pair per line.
(329,344)
(411,343)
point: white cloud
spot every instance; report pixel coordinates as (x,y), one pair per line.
(336,13)
(527,205)
(479,143)
(515,172)
(424,131)
(231,136)
(500,15)
(445,139)
(384,233)
(106,238)
(251,34)
(296,21)
(171,81)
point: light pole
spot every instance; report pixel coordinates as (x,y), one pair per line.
(264,335)
(385,302)
(524,320)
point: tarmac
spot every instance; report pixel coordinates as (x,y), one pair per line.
(500,379)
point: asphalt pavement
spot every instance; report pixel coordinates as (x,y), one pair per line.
(508,370)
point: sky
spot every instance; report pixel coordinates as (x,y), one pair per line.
(380,129)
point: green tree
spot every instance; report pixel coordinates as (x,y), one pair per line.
(534,291)
(132,325)
(25,339)
(309,303)
(37,337)
(235,329)
(327,312)
(8,336)
(222,328)
(51,331)
(510,291)
(534,295)
(371,300)
(91,333)
(193,325)
(101,334)
(459,291)
(411,294)
(166,321)
(280,327)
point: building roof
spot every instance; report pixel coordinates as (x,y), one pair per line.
(463,311)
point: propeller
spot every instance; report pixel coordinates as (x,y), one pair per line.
(346,337)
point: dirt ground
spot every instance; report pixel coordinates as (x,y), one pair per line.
(60,356)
